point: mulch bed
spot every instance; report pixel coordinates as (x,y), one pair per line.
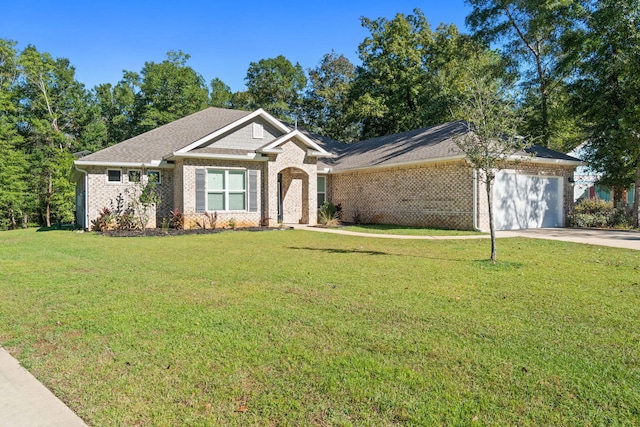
(174,232)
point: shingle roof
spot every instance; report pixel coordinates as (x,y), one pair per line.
(164,140)
(431,143)
(412,146)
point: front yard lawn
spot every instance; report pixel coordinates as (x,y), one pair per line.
(302,328)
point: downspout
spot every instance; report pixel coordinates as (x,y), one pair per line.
(475,200)
(85,198)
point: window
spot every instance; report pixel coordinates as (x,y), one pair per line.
(154,176)
(226,190)
(114,175)
(134,175)
(321,190)
(258,131)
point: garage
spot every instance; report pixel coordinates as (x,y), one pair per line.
(527,201)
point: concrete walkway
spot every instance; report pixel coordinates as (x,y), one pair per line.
(614,238)
(625,239)
(25,402)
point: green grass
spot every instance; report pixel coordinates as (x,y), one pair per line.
(406,230)
(301,328)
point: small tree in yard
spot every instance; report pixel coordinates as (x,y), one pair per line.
(144,196)
(492,139)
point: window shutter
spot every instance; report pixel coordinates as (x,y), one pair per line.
(201,176)
(253,191)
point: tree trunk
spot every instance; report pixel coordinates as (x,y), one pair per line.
(49,192)
(636,198)
(14,224)
(618,197)
(494,256)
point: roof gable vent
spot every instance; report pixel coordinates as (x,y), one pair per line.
(258,131)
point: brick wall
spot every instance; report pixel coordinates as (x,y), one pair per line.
(118,196)
(431,195)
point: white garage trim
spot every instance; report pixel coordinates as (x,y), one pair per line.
(527,201)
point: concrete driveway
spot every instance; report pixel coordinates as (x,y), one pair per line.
(615,238)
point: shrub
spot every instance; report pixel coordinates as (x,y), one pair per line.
(177,219)
(126,220)
(599,213)
(104,222)
(213,219)
(232,223)
(330,214)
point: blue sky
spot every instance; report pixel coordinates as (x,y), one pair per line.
(102,38)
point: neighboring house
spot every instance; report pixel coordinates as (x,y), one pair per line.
(251,167)
(586,182)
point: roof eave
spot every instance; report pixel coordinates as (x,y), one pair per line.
(258,157)
(534,159)
(161,164)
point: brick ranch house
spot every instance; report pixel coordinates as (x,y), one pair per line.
(253,168)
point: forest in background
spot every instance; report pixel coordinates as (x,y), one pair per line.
(570,67)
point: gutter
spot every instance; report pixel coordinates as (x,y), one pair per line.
(160,164)
(85,225)
(249,156)
(475,200)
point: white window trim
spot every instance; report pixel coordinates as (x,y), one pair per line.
(113,182)
(325,189)
(159,175)
(226,190)
(133,170)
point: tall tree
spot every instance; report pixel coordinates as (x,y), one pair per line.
(326,100)
(170,90)
(221,94)
(159,94)
(411,76)
(276,85)
(607,91)
(531,32)
(54,122)
(14,196)
(492,122)
(120,107)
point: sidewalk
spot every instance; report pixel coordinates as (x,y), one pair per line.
(25,402)
(625,239)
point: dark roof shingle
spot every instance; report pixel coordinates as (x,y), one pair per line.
(164,140)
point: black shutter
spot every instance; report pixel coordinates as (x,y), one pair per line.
(201,180)
(253,191)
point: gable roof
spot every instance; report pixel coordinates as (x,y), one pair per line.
(157,143)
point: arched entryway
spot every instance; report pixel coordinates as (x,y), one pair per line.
(293,196)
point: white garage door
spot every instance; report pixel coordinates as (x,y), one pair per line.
(527,201)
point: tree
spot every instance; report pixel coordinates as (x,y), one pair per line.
(606,91)
(170,90)
(220,94)
(492,136)
(411,76)
(275,85)
(14,196)
(326,100)
(159,94)
(55,121)
(531,32)
(120,107)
